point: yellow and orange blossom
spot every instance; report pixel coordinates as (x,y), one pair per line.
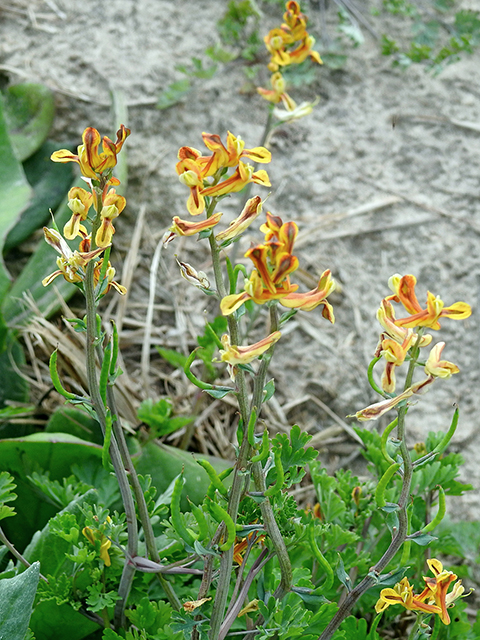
(433,599)
(403,288)
(92,162)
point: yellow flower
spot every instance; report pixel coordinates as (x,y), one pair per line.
(94,536)
(404,292)
(92,163)
(277,93)
(70,264)
(251,210)
(243,175)
(184,228)
(79,202)
(113,205)
(433,599)
(439,368)
(402,593)
(234,355)
(376,410)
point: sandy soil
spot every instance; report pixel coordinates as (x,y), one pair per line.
(336,173)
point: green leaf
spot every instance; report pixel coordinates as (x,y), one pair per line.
(29,111)
(149,615)
(7,486)
(12,385)
(50,620)
(14,192)
(99,599)
(67,419)
(16,601)
(54,452)
(50,182)
(41,264)
(173,357)
(174,93)
(158,416)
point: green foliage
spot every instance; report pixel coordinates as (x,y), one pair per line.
(159,417)
(209,344)
(16,600)
(7,486)
(150,615)
(435,41)
(239,28)
(60,494)
(294,455)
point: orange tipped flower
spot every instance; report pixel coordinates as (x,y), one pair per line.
(376,410)
(439,368)
(250,212)
(230,155)
(71,264)
(184,228)
(92,162)
(234,355)
(404,292)
(113,205)
(244,174)
(79,202)
(402,593)
(433,599)
(278,93)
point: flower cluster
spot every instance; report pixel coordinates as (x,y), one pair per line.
(288,44)
(433,599)
(270,280)
(96,168)
(400,336)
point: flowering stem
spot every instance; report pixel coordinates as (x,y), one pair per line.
(269,521)
(100,410)
(401,532)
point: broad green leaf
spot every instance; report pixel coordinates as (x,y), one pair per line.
(29,111)
(53,452)
(12,385)
(68,419)
(50,182)
(60,622)
(16,601)
(41,264)
(14,193)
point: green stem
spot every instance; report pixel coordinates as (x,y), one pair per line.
(100,410)
(141,504)
(401,532)
(269,521)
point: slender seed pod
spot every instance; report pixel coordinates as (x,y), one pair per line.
(103,378)
(56,380)
(196,381)
(177,519)
(221,515)
(201,520)
(211,332)
(384,440)
(371,381)
(113,361)
(277,487)
(265,450)
(214,478)
(383,482)
(440,513)
(441,446)
(319,557)
(251,427)
(232,280)
(106,441)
